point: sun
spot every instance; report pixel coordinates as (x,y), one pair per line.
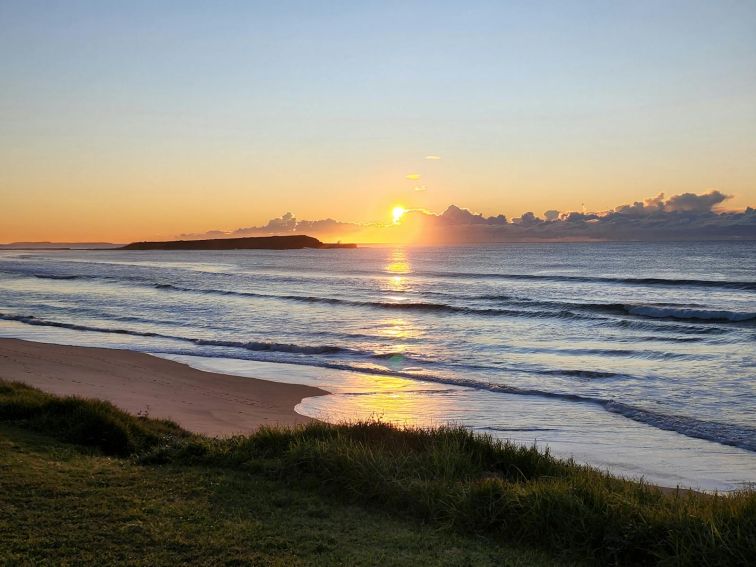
(398,213)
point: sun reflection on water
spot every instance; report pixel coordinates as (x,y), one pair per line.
(397,328)
(398,267)
(421,404)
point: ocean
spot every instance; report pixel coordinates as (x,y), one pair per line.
(634,357)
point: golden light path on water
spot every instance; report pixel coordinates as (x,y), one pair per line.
(398,269)
(389,398)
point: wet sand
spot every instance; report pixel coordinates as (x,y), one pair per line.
(202,402)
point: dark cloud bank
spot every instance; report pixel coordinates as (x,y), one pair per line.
(680,217)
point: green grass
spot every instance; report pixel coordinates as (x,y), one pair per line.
(91,423)
(442,487)
(62,506)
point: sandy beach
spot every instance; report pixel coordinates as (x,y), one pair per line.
(202,402)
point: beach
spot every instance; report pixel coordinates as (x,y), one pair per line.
(202,402)
(625,356)
(390,283)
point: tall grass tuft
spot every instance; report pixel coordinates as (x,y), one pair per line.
(454,478)
(92,423)
(446,476)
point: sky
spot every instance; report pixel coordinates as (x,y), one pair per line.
(124,121)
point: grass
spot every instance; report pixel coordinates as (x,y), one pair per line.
(91,423)
(62,506)
(488,500)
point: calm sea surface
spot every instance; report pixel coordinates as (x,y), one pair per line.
(634,357)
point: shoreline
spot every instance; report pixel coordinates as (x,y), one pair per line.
(208,403)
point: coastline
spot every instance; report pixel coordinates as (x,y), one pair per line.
(207,401)
(203,402)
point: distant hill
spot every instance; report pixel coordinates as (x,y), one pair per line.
(250,243)
(57,245)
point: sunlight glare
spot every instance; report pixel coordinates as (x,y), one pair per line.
(397,213)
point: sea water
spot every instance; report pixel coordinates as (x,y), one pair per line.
(634,357)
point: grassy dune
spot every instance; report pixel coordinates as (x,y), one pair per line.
(441,496)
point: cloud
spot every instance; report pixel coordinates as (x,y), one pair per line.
(680,217)
(527,219)
(690,202)
(687,202)
(431,157)
(454,215)
(286,223)
(328,229)
(412,176)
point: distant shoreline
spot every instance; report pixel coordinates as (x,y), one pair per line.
(294,242)
(85,247)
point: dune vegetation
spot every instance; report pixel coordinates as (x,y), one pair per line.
(361,493)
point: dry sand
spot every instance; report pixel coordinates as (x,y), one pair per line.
(203,402)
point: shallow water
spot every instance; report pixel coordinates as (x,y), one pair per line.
(635,357)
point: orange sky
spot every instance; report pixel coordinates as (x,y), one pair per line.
(79,210)
(150,121)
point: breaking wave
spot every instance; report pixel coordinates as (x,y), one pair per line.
(248,345)
(560,310)
(687,314)
(668,282)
